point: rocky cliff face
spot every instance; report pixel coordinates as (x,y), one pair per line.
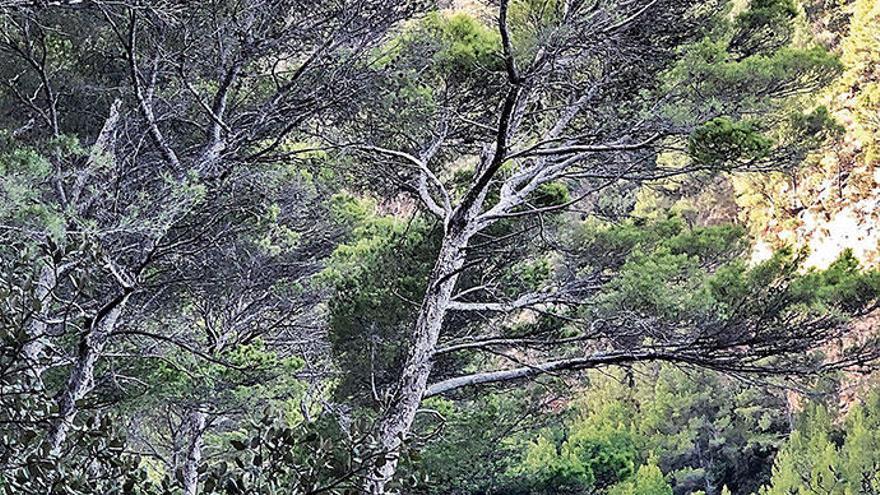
(832,203)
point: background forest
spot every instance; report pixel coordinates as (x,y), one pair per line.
(622,247)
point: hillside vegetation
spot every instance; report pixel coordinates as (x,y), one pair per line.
(512,247)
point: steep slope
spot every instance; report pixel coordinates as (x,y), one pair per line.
(832,203)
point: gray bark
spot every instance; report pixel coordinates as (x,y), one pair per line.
(100,155)
(461,225)
(398,419)
(32,350)
(194,430)
(571,364)
(81,379)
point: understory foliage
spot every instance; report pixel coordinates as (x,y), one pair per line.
(383,246)
(831,453)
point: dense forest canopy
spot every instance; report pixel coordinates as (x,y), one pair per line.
(621,247)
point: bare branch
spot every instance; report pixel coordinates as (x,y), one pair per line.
(571,364)
(145,106)
(509,60)
(586,148)
(425,174)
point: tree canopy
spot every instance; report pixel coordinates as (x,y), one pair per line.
(387,246)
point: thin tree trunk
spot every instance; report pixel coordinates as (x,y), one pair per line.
(195,428)
(398,419)
(81,379)
(32,350)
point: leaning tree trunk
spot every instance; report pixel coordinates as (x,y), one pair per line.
(81,379)
(398,419)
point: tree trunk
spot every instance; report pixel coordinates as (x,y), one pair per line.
(32,350)
(398,419)
(195,428)
(81,379)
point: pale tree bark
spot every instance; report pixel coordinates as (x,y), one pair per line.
(143,221)
(100,155)
(398,419)
(572,364)
(81,379)
(32,350)
(194,429)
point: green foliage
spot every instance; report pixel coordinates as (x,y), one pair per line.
(464,43)
(462,46)
(724,141)
(816,123)
(766,25)
(274,457)
(704,429)
(648,480)
(669,232)
(96,461)
(851,104)
(651,428)
(827,456)
(375,276)
(717,79)
(844,284)
(532,22)
(237,372)
(661,266)
(669,432)
(665,269)
(530,274)
(23,174)
(457,458)
(551,194)
(661,283)
(458,46)
(597,449)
